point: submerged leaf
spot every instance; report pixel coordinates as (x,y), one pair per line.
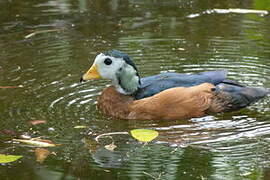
(110,147)
(144,135)
(90,144)
(35,122)
(9,87)
(8,158)
(9,132)
(41,154)
(36,142)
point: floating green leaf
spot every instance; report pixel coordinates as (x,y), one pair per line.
(144,135)
(8,158)
(261,4)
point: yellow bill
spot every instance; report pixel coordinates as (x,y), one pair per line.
(92,73)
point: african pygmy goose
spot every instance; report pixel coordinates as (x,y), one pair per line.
(166,96)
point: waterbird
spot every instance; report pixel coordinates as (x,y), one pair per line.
(166,96)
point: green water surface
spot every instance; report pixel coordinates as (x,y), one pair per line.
(184,36)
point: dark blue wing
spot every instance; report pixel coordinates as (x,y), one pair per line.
(154,84)
(230,94)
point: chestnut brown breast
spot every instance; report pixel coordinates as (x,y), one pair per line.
(174,103)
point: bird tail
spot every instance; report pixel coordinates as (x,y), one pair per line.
(230,97)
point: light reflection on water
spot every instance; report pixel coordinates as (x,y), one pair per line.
(49,66)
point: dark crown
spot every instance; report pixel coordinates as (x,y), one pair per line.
(119,54)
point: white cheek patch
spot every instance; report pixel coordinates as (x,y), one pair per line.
(123,76)
(108,71)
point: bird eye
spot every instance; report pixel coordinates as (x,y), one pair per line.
(107,61)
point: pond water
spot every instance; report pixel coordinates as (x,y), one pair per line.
(160,36)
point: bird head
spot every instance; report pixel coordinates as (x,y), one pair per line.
(116,66)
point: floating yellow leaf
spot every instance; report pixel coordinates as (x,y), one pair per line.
(144,135)
(80,127)
(36,142)
(8,158)
(40,32)
(9,87)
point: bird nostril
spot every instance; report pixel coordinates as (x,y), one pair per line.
(82,80)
